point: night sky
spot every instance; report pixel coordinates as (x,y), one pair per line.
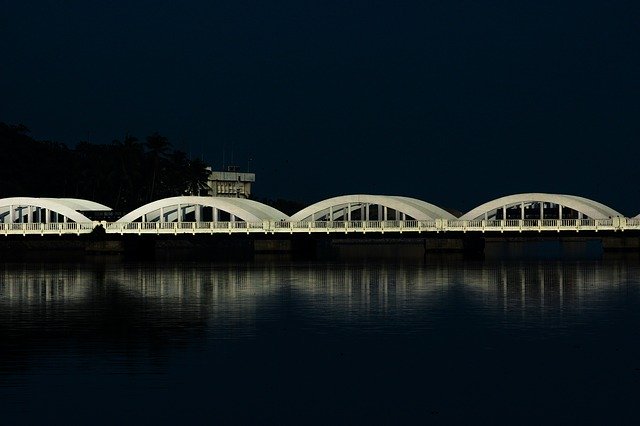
(453,102)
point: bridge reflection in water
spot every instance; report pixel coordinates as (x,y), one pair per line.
(362,289)
(469,342)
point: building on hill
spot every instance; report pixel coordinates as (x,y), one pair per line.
(230,183)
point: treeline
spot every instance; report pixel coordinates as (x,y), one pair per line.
(122,175)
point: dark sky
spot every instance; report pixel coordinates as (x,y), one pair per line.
(453,102)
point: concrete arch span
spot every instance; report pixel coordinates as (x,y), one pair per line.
(44,210)
(370,207)
(540,205)
(175,209)
(81,205)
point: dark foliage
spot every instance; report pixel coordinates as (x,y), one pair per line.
(123,175)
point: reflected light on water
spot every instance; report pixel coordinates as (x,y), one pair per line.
(239,289)
(326,338)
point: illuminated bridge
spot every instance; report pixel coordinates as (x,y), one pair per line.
(348,214)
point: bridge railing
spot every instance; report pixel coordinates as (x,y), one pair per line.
(443,225)
(358,226)
(182,227)
(47,228)
(633,223)
(453,225)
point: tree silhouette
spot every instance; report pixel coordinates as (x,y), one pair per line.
(158,146)
(131,182)
(197,177)
(124,174)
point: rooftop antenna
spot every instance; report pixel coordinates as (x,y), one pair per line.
(232,147)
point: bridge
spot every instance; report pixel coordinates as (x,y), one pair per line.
(348,214)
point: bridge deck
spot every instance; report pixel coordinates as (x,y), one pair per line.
(344,227)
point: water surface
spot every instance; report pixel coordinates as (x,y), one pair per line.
(441,342)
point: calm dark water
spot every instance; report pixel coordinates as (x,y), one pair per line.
(439,342)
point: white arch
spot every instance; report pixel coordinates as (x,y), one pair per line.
(8,207)
(81,205)
(588,207)
(604,209)
(417,209)
(246,210)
